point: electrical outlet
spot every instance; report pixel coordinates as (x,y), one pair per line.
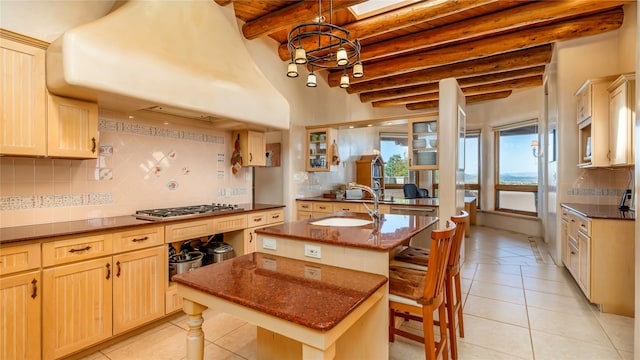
(268,243)
(311,272)
(312,251)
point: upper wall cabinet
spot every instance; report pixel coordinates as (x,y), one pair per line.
(320,149)
(622,120)
(423,144)
(33,122)
(593,125)
(253,147)
(23,114)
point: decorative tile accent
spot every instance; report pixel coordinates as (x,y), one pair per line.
(172,185)
(50,201)
(148,130)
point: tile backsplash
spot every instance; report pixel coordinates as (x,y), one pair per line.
(601,186)
(140,166)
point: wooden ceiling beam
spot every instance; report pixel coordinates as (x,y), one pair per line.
(504,62)
(512,84)
(566,30)
(509,20)
(290,16)
(463,82)
(411,15)
(223,2)
(433,104)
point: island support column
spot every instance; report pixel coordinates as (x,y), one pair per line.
(195,336)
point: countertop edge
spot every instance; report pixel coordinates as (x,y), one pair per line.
(604,212)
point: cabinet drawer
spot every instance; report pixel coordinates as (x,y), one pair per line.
(188,230)
(229,223)
(564,214)
(19,258)
(583,225)
(351,207)
(138,239)
(304,206)
(275,217)
(323,207)
(258,219)
(76,249)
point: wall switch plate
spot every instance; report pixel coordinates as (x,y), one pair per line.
(268,243)
(312,251)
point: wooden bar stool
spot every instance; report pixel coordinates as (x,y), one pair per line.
(415,295)
(418,258)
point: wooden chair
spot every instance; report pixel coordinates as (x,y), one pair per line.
(416,295)
(418,258)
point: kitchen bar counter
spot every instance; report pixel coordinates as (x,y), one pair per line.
(302,310)
(600,211)
(43,231)
(393,231)
(432,202)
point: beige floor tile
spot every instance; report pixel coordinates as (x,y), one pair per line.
(558,303)
(553,347)
(497,310)
(579,327)
(465,285)
(216,324)
(619,329)
(161,328)
(497,336)
(468,351)
(215,352)
(546,272)
(499,278)
(626,355)
(498,292)
(166,344)
(241,341)
(95,356)
(468,270)
(552,287)
(498,268)
(405,349)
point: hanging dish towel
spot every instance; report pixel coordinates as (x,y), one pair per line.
(236,157)
(335,159)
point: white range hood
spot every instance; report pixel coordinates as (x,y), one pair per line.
(184,55)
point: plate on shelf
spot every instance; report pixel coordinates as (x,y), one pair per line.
(421,127)
(426,157)
(419,143)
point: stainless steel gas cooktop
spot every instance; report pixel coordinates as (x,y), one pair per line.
(184,211)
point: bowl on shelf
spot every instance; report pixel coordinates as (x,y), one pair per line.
(433,126)
(426,158)
(419,143)
(433,143)
(421,127)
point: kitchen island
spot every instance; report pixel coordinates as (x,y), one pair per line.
(302,310)
(369,247)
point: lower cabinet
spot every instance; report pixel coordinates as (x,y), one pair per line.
(77,306)
(20,316)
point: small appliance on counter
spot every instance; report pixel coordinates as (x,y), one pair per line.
(623,201)
(216,250)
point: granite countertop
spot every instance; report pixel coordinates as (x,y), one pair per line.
(600,211)
(431,202)
(42,231)
(313,295)
(392,231)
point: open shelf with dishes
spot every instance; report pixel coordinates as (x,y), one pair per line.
(319,149)
(423,144)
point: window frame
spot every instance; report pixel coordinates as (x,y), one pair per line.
(416,174)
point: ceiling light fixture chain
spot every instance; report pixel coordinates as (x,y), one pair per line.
(334,50)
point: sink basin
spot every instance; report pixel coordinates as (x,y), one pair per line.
(340,221)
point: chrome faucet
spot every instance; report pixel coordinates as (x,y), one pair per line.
(375,213)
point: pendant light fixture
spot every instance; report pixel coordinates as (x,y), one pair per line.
(326,46)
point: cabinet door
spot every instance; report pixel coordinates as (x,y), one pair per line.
(621,124)
(20,316)
(250,240)
(423,144)
(72,128)
(138,288)
(319,149)
(76,307)
(564,233)
(23,118)
(257,148)
(584,271)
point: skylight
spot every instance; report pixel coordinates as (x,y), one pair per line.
(374,7)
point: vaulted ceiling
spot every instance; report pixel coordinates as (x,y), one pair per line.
(491,47)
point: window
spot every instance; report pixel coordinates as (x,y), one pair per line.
(394,150)
(516,172)
(471,169)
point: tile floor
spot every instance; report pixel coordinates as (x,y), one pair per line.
(517,305)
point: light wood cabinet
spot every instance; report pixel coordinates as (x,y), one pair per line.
(622,120)
(19,258)
(20,316)
(77,306)
(319,149)
(138,288)
(370,172)
(600,257)
(23,115)
(258,221)
(308,209)
(592,113)
(72,128)
(423,144)
(253,147)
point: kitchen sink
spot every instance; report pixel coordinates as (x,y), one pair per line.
(342,221)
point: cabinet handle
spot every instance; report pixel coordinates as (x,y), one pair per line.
(118,269)
(86,248)
(140,239)
(93,146)
(34,284)
(573,253)
(250,238)
(275,217)
(257,219)
(343,209)
(108,266)
(250,157)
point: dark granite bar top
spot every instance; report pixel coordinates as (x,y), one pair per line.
(313,295)
(41,231)
(430,202)
(392,231)
(600,211)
